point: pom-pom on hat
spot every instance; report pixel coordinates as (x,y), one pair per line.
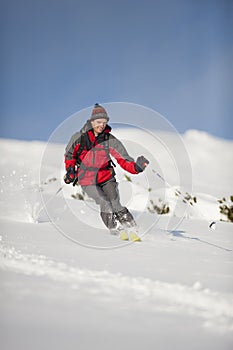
(99,112)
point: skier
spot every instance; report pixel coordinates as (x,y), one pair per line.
(88,161)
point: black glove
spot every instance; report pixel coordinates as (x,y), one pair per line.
(141,164)
(70,175)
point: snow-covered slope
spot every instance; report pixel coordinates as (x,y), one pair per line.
(67,284)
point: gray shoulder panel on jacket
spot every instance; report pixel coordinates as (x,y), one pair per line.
(71,145)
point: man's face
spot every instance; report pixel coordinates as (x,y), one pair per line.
(99,125)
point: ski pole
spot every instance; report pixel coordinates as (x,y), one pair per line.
(50,199)
(178,193)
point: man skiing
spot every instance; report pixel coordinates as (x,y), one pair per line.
(88,161)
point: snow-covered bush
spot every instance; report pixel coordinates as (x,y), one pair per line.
(186,198)
(160,208)
(80,194)
(128,178)
(226,208)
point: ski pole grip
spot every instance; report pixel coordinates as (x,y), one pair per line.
(75,181)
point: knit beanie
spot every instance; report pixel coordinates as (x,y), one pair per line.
(99,112)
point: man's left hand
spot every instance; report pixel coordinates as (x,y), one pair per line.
(141,164)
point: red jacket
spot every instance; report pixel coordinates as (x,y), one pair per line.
(94,162)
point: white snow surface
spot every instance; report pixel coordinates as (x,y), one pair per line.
(66,283)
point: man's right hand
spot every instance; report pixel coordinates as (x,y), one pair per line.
(70,175)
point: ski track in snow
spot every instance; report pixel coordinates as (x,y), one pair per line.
(130,293)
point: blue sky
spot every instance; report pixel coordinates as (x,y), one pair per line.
(60,56)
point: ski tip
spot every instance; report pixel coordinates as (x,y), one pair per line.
(124,236)
(134,237)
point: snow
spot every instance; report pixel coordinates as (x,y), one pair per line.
(67,284)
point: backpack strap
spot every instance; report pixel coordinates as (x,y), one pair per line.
(85,144)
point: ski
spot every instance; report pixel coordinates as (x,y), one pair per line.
(126,234)
(134,237)
(129,235)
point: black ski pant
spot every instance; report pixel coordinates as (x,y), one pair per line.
(106,195)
